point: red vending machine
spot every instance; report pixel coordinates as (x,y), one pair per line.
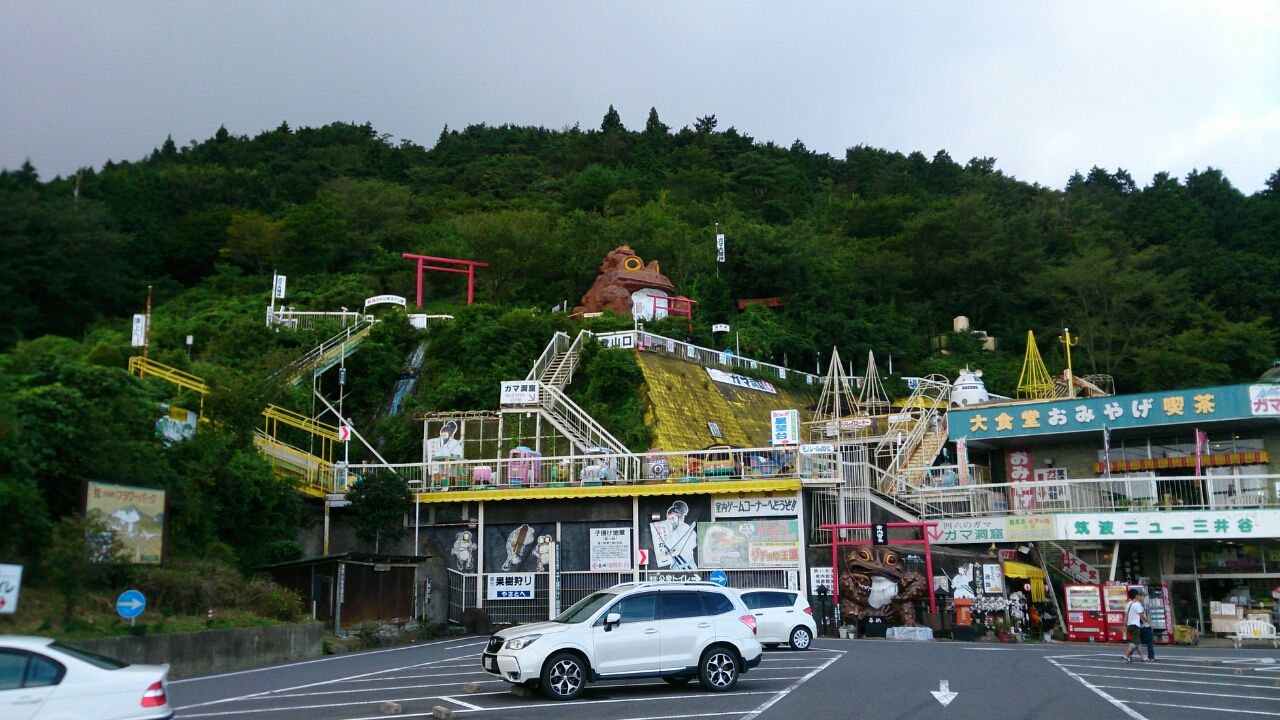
(1084,616)
(1115,596)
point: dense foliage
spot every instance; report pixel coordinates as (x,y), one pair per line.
(1166,284)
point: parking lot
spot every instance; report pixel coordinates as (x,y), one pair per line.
(836,679)
(421,677)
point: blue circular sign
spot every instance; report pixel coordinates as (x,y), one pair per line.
(130,604)
(719,577)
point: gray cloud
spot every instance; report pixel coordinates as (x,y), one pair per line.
(1045,88)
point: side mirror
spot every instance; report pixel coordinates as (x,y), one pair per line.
(612,619)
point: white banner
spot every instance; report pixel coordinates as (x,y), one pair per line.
(519,392)
(720,327)
(139,330)
(278,291)
(386,300)
(720,247)
(961,531)
(741,381)
(509,586)
(610,548)
(1177,525)
(10,585)
(1265,400)
(752,506)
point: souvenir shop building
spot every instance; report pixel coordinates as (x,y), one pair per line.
(1179,488)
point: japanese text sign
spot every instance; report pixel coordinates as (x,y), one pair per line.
(519,392)
(754,506)
(1180,525)
(1117,412)
(510,586)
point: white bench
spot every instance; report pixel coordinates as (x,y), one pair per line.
(1255,630)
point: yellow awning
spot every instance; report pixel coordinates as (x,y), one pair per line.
(1034,575)
(787,485)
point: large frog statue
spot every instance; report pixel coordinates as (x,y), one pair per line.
(873,584)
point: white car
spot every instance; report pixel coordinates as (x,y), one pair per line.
(41,679)
(676,631)
(782,616)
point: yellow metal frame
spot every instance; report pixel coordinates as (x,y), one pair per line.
(144,366)
(1034,382)
(311,473)
(275,416)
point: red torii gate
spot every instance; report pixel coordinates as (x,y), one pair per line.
(470,271)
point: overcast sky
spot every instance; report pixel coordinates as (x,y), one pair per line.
(1045,87)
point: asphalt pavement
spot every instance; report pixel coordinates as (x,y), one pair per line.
(837,679)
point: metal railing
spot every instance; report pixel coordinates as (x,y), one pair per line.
(907,427)
(300,320)
(559,344)
(737,464)
(576,423)
(1118,494)
(706,357)
(326,354)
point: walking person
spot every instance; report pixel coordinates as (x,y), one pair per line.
(1148,636)
(1135,616)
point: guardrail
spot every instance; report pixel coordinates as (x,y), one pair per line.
(736,464)
(1094,495)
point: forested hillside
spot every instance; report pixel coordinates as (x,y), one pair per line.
(1168,281)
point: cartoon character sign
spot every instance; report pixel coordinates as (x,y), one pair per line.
(962,582)
(546,548)
(519,542)
(675,540)
(463,553)
(446,446)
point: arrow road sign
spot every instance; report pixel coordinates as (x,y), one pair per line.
(720,578)
(130,604)
(943,693)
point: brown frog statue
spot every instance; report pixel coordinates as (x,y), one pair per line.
(873,584)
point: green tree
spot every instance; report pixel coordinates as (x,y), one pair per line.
(379,502)
(81,553)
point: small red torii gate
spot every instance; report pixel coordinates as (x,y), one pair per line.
(469,271)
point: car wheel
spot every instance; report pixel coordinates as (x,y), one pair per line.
(718,670)
(677,679)
(801,638)
(564,676)
(770,646)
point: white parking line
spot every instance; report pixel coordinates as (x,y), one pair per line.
(1188,692)
(1142,669)
(1201,707)
(1100,693)
(789,689)
(328,659)
(266,693)
(455,701)
(1182,681)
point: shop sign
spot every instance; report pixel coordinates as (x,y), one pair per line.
(1179,525)
(749,544)
(741,381)
(519,392)
(821,577)
(993,579)
(625,339)
(1078,569)
(1117,412)
(817,448)
(754,506)
(958,531)
(784,427)
(1264,400)
(610,548)
(510,586)
(1019,466)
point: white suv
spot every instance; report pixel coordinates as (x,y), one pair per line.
(676,631)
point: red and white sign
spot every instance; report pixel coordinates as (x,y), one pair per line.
(1079,569)
(642,557)
(1021,474)
(344,432)
(10,585)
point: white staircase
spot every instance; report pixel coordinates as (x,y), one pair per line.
(326,354)
(905,436)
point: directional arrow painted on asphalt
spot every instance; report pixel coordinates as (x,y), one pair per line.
(943,693)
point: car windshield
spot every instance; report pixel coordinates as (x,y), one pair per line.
(586,607)
(93,658)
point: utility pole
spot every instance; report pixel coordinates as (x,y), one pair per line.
(1065,339)
(146,335)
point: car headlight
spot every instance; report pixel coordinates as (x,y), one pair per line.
(521,642)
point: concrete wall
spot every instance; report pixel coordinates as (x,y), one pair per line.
(211,651)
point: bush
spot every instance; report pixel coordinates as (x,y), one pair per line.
(265,598)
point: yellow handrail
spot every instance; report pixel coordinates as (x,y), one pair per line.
(143,366)
(298,420)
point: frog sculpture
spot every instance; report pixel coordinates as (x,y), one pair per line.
(873,584)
